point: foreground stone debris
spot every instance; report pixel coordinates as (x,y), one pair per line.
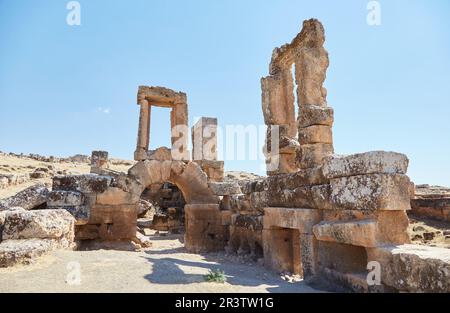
(27,199)
(413,268)
(25,235)
(316,215)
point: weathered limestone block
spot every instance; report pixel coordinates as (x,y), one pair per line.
(310,197)
(431,202)
(43,224)
(27,199)
(59,198)
(301,219)
(225,188)
(413,268)
(204,139)
(348,215)
(371,192)
(81,213)
(315,115)
(154,170)
(99,160)
(375,162)
(213,169)
(84,183)
(160,154)
(204,229)
(304,177)
(166,168)
(278,101)
(392,227)
(193,183)
(313,155)
(110,222)
(315,134)
(74,202)
(311,67)
(116,196)
(25,251)
(279,140)
(140,173)
(357,233)
(281,164)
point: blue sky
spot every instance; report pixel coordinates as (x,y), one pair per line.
(72,89)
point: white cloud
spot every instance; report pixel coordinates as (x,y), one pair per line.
(103,110)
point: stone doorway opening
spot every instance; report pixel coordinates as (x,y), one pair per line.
(160,128)
(162,208)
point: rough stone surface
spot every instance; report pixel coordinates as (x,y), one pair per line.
(313,155)
(301,219)
(65,198)
(315,134)
(315,115)
(357,233)
(225,188)
(84,183)
(414,268)
(376,162)
(29,198)
(43,224)
(371,192)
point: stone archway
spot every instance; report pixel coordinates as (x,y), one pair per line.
(203,218)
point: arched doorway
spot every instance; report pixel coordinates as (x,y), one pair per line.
(203,219)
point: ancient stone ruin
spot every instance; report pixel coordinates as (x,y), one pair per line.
(316,214)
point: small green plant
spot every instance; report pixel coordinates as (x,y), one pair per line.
(216,276)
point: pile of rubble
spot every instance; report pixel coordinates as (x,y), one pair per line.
(25,235)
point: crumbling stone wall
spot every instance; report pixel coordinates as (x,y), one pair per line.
(431,202)
(324,215)
(315,119)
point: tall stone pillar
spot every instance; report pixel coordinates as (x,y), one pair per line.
(180,131)
(143,138)
(279,115)
(204,139)
(315,117)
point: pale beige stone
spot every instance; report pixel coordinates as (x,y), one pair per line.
(312,155)
(315,115)
(301,219)
(357,233)
(371,192)
(315,134)
(375,162)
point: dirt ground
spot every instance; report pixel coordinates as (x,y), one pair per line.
(166,267)
(423,231)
